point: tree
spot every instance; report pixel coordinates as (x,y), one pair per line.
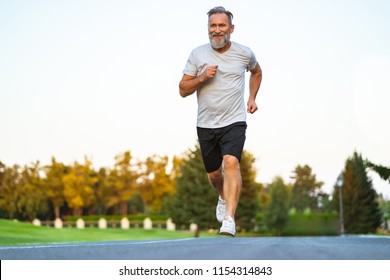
(155,183)
(382,171)
(248,205)
(306,189)
(105,193)
(276,214)
(2,171)
(78,185)
(54,174)
(136,204)
(125,180)
(360,207)
(10,190)
(195,197)
(33,194)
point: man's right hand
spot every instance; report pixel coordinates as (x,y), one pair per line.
(210,72)
(189,84)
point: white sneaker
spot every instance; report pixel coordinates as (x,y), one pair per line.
(220,211)
(228,227)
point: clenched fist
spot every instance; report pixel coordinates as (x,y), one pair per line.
(210,72)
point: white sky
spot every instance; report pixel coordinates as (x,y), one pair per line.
(97,78)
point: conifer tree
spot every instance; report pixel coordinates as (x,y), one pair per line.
(195,199)
(360,207)
(306,189)
(276,214)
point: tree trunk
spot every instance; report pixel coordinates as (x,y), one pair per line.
(57,211)
(124,208)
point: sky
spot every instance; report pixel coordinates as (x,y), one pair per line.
(97,78)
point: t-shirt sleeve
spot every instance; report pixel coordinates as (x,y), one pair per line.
(252,61)
(190,68)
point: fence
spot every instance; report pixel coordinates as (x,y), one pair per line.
(102,223)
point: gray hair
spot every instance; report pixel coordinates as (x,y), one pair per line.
(221,10)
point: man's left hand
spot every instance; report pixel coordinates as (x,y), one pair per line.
(252,107)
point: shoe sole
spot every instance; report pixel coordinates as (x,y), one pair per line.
(226,233)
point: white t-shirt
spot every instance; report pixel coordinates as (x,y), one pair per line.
(221,99)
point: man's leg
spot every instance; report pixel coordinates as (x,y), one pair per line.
(232,183)
(216,179)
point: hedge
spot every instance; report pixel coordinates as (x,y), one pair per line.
(312,224)
(132,217)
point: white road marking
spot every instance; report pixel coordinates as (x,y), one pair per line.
(55,245)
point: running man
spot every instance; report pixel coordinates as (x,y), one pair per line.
(216,72)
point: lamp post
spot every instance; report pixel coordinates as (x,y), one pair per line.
(339,184)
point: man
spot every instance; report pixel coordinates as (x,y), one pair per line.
(216,71)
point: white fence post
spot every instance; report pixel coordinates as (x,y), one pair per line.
(102,223)
(148,223)
(80,224)
(58,223)
(125,224)
(170,226)
(36,222)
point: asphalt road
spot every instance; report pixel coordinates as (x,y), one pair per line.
(219,248)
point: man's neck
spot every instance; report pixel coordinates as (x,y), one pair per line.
(224,48)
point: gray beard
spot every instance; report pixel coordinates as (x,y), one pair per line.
(217,45)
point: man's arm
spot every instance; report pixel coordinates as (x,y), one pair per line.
(254,85)
(189,84)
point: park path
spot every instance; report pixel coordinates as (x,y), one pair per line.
(218,248)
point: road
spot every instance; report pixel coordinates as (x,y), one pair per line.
(219,248)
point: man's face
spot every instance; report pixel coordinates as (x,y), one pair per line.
(219,30)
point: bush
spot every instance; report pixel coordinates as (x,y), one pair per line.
(312,224)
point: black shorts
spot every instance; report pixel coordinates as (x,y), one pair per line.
(217,142)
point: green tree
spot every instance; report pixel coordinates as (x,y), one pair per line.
(276,214)
(136,204)
(305,189)
(382,171)
(104,190)
(360,207)
(195,197)
(248,205)
(384,205)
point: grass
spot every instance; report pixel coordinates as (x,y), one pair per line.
(21,233)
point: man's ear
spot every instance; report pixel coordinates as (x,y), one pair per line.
(232,28)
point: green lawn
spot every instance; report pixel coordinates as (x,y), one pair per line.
(19,233)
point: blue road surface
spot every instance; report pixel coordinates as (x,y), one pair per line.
(218,248)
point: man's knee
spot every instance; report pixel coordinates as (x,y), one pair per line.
(215,176)
(230,162)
